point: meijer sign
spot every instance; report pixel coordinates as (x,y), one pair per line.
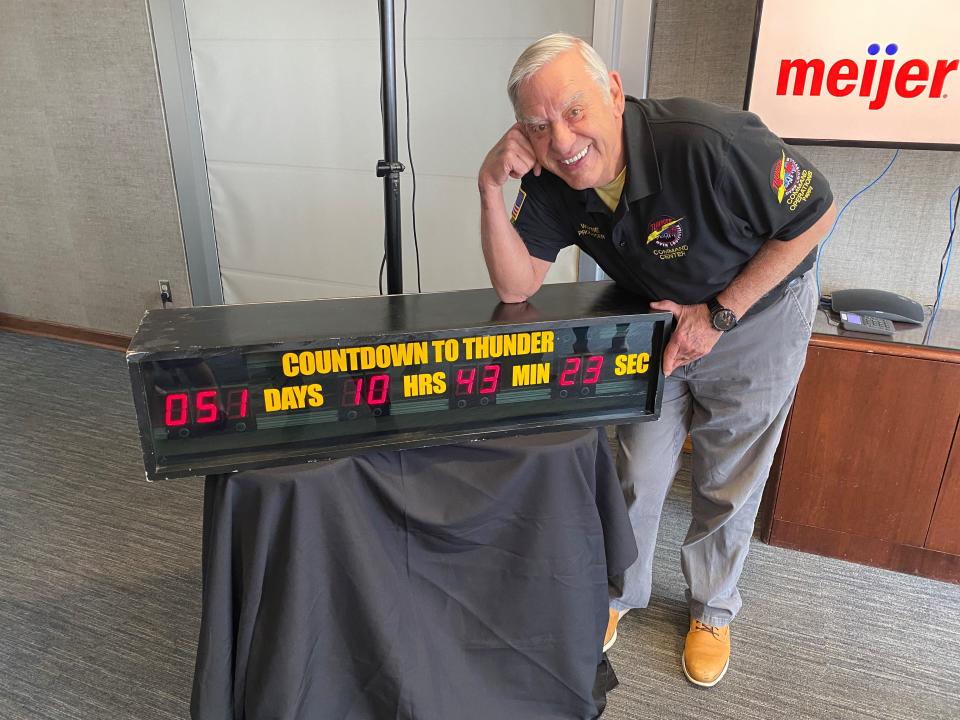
(859,70)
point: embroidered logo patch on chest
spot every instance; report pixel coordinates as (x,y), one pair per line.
(669,237)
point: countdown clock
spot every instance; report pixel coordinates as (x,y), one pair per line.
(225,388)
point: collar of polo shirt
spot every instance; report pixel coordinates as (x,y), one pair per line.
(643,171)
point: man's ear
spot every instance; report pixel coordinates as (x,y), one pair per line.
(616,91)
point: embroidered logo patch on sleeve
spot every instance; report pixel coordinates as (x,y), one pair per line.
(521,196)
(783,176)
(791,182)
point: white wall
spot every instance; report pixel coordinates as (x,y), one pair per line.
(289,104)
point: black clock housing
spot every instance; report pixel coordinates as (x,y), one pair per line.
(225,388)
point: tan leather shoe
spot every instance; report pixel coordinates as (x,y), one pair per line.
(706,653)
(610,637)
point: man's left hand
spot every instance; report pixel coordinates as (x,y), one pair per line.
(693,334)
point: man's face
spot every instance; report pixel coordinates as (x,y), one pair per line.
(576,133)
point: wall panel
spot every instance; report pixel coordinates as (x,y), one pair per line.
(88,214)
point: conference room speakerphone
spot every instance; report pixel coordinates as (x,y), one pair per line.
(867,324)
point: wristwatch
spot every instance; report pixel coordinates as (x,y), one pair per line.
(722,318)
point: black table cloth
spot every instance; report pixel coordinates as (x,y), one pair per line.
(458,582)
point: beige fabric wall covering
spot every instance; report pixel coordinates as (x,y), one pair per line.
(88,214)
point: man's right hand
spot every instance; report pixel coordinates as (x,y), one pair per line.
(514,273)
(511,157)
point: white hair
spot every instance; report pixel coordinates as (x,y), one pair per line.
(546,49)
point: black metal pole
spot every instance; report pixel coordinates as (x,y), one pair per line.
(390,167)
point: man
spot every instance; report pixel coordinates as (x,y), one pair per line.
(705,213)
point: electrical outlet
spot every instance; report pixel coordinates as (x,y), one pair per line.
(166,294)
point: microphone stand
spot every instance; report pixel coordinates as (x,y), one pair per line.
(390,168)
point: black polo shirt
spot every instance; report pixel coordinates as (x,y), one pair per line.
(705,188)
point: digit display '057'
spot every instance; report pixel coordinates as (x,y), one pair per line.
(263,392)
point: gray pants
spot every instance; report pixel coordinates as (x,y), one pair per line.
(734,402)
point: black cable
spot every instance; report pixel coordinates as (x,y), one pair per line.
(413,172)
(383,262)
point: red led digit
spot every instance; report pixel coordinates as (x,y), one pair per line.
(592,373)
(175,413)
(352,392)
(206,406)
(465,378)
(378,390)
(237,403)
(571,368)
(491,375)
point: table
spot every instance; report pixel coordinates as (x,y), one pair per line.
(458,582)
(869,465)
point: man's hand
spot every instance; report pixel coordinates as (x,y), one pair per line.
(511,157)
(514,273)
(693,335)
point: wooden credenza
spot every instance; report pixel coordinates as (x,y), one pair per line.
(868,468)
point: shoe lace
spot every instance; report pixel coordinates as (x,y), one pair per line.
(715,631)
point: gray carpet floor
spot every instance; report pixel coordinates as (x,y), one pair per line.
(100,586)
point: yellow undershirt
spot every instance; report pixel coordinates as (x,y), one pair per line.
(610,194)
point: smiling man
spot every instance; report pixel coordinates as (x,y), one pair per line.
(703,212)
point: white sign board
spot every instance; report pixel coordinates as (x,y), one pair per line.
(858,71)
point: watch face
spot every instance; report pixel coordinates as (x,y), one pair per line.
(724,319)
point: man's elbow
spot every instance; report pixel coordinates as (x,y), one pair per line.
(516,293)
(512,297)
(518,287)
